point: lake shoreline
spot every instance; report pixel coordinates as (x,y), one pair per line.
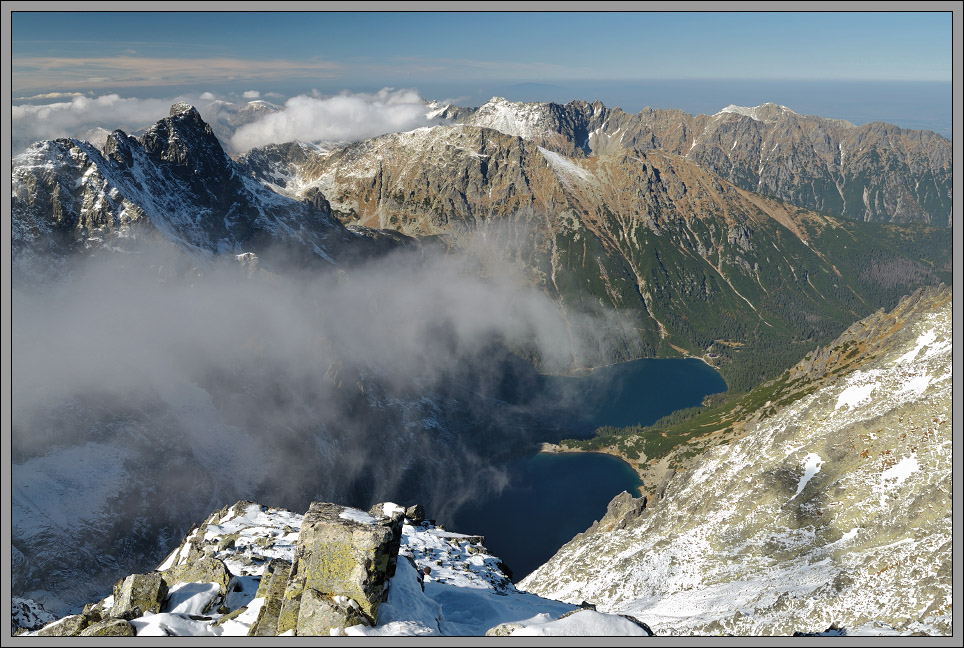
(550,492)
(582,372)
(637,392)
(556,449)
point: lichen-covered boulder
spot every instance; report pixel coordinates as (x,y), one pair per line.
(203,569)
(321,615)
(395,517)
(274,579)
(109,628)
(96,612)
(341,551)
(146,592)
(70,626)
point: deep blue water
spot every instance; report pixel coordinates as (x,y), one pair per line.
(631,393)
(551,498)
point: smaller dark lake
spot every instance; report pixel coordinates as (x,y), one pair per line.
(552,497)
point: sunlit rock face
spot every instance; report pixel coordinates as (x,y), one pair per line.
(875,172)
(835,510)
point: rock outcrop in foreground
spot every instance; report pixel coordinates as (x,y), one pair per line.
(258,571)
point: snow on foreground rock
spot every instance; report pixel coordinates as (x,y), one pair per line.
(257,571)
(833,512)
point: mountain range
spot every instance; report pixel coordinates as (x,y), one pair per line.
(872,172)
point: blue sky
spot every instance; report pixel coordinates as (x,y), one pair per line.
(860,66)
(75,51)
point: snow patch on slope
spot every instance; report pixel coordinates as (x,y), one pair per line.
(898,474)
(855,394)
(811,468)
(564,168)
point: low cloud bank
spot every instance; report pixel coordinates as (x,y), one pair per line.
(397,351)
(343,117)
(83,116)
(80,115)
(308,117)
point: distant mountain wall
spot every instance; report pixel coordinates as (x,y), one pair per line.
(875,172)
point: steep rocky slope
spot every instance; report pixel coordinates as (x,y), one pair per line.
(174,184)
(832,509)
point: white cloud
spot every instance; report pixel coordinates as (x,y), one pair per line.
(311,118)
(251,94)
(81,114)
(344,117)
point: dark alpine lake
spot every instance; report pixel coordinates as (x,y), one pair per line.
(552,497)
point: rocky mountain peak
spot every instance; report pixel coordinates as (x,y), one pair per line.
(184,139)
(117,147)
(829,165)
(182,107)
(174,181)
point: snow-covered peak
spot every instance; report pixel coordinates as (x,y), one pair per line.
(525,120)
(434,109)
(763,112)
(175,181)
